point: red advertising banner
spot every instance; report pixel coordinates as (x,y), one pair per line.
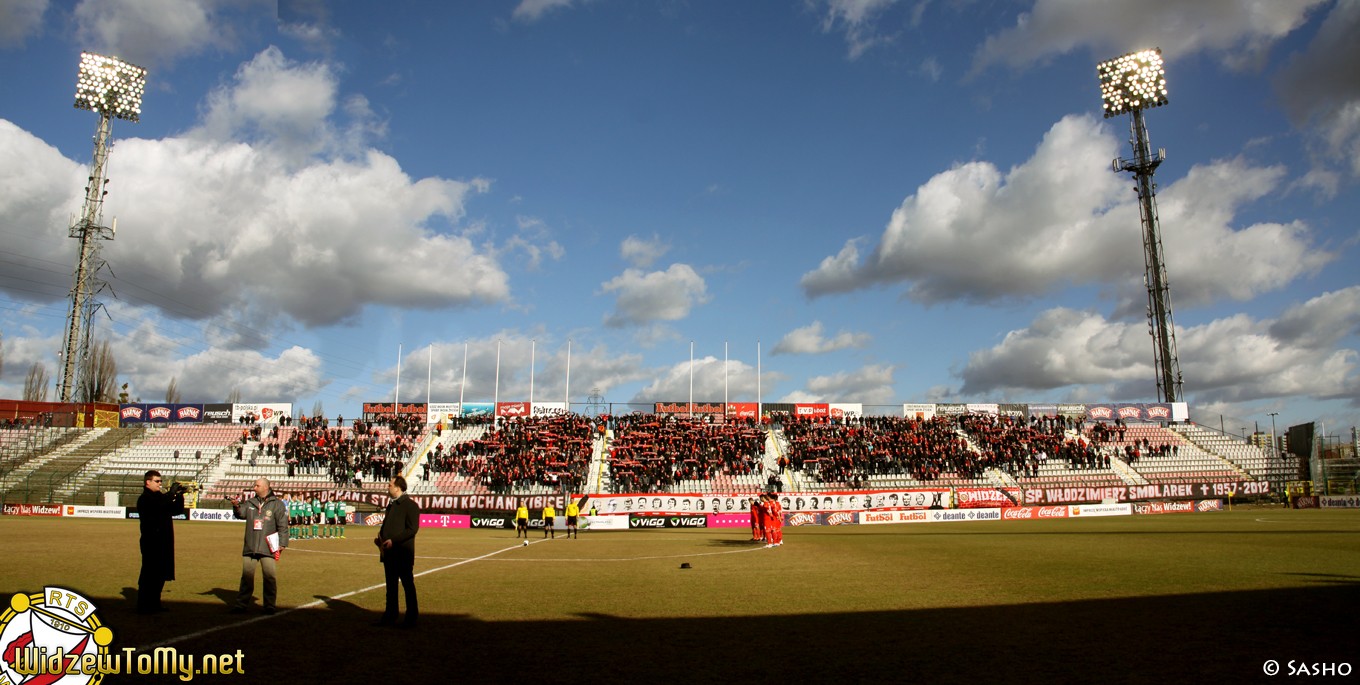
(686,407)
(811,410)
(512,409)
(445,521)
(31,509)
(987,497)
(741,410)
(1020,513)
(388,409)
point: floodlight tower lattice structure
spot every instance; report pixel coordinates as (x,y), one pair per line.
(113,89)
(1129,85)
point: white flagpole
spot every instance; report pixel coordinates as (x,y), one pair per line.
(567,399)
(691,379)
(533,350)
(429,374)
(758,412)
(463,388)
(496,396)
(724,381)
(396,401)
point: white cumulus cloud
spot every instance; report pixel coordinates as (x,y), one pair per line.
(673,385)
(810,340)
(643,297)
(153,33)
(869,384)
(20,19)
(978,234)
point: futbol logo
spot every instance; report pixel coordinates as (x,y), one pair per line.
(53,635)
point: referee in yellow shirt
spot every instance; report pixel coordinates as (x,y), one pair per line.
(548,514)
(572,512)
(522,521)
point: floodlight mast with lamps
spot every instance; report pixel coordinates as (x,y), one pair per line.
(1130,84)
(112,88)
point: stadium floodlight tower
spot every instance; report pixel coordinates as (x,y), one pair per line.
(1131,84)
(112,88)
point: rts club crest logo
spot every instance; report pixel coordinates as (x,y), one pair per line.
(53,637)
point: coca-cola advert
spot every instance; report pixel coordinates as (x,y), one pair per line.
(1024,513)
(742,410)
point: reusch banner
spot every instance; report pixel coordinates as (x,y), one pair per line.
(217,413)
(686,407)
(982,408)
(951,409)
(1141,411)
(435,412)
(263,413)
(920,412)
(512,409)
(1072,411)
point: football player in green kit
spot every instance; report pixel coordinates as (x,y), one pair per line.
(314,514)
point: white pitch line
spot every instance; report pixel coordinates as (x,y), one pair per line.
(257,619)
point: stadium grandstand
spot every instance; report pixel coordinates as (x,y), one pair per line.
(558,451)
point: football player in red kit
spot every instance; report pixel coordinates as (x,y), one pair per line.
(774,521)
(757,519)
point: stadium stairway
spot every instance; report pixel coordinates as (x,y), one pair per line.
(66,492)
(1256,463)
(793,481)
(1000,479)
(20,473)
(20,445)
(42,482)
(595,472)
(122,472)
(1123,470)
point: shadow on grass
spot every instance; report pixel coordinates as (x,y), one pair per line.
(223,594)
(1208,637)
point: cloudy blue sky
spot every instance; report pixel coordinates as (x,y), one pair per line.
(900,200)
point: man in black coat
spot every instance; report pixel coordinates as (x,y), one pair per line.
(396,543)
(154,511)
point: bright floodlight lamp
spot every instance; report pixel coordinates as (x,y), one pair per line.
(113,89)
(1134,81)
(1129,85)
(110,86)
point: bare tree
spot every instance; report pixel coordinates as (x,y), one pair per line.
(99,376)
(234,397)
(318,410)
(172,393)
(35,383)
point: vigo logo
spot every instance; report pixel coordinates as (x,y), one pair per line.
(1101,413)
(188,413)
(651,522)
(131,413)
(159,413)
(478,522)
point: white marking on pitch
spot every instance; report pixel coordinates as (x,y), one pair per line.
(319,602)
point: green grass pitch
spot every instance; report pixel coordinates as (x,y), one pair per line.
(1169,598)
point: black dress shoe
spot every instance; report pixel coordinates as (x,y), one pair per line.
(269,611)
(237,610)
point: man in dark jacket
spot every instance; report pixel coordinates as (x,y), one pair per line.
(265,515)
(396,543)
(154,509)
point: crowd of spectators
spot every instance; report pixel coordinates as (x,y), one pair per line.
(850,450)
(369,450)
(651,451)
(521,452)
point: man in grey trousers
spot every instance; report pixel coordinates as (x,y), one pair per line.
(265,514)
